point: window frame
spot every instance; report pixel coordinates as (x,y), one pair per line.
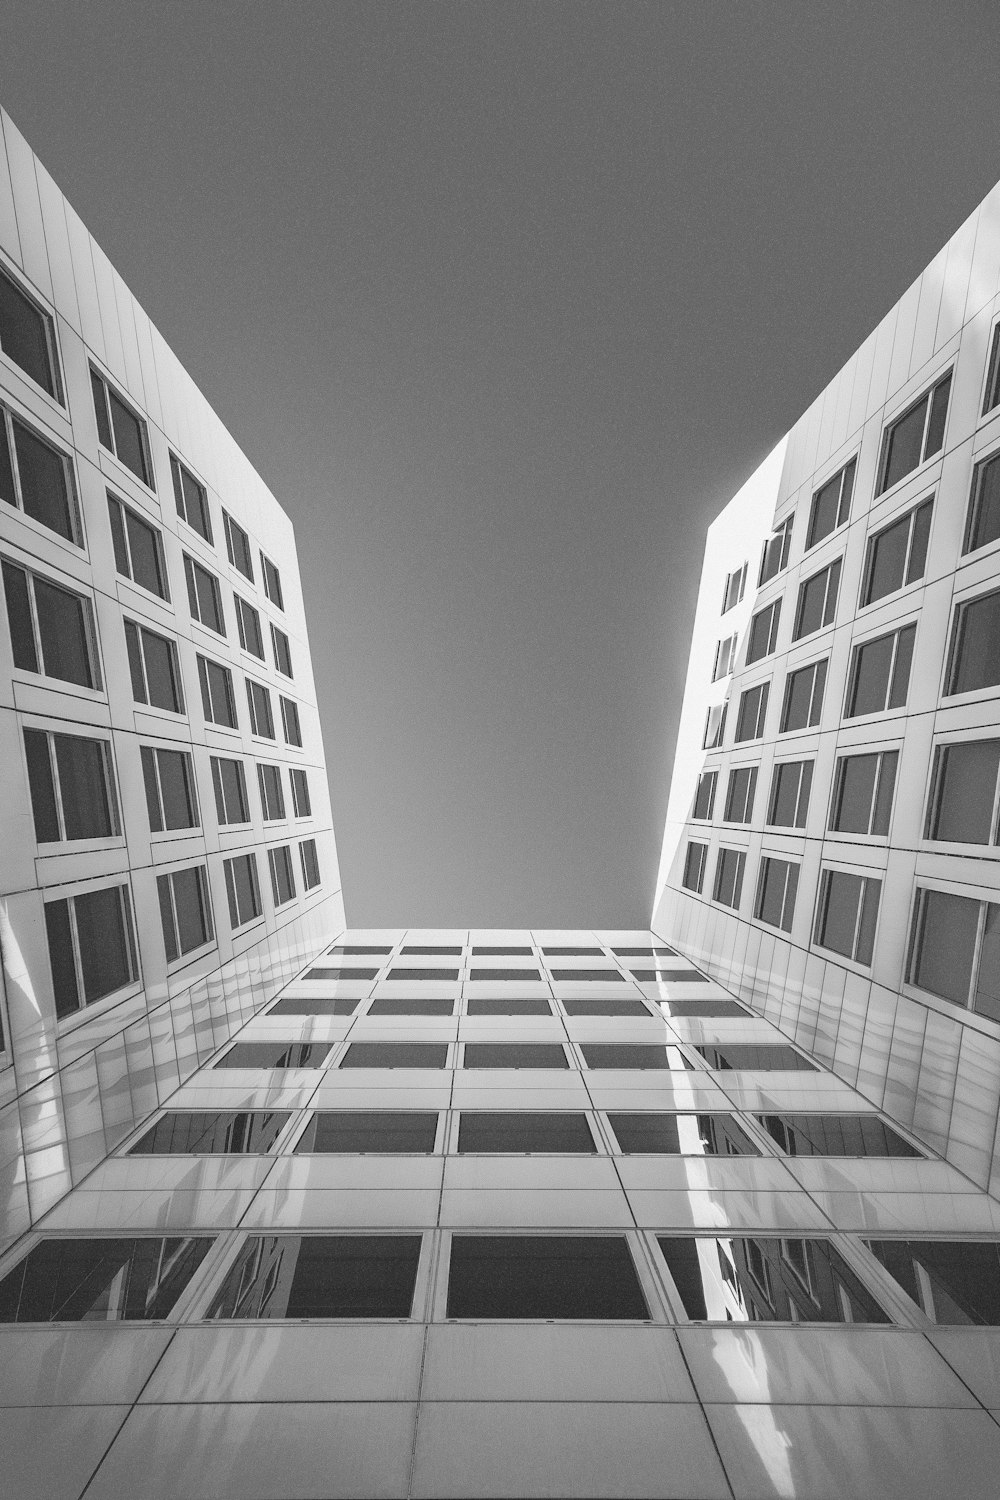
(770,642)
(290,717)
(249,859)
(229,525)
(714,741)
(179,471)
(89,619)
(273,854)
(956,641)
(801,811)
(110,785)
(991,387)
(255,729)
(787,913)
(277,598)
(915,938)
(297,775)
(246,615)
(74,513)
(974,511)
(219,787)
(150,756)
(763,691)
(733,879)
(141,631)
(307,884)
(700,859)
(861,752)
(749,799)
(263,768)
(127,513)
(127,912)
(165,883)
(857,648)
(147,477)
(207,696)
(58,391)
(909,519)
(828,874)
(834,572)
(819,670)
(782,536)
(846,474)
(885,447)
(712,778)
(739,577)
(192,568)
(935,794)
(276,636)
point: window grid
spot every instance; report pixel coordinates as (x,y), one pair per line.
(38,634)
(154,668)
(120,429)
(740,794)
(138,548)
(704,801)
(817,602)
(237,546)
(763,636)
(914,436)
(27,336)
(896,556)
(191,499)
(48,742)
(791,784)
(831,504)
(184,929)
(803,703)
(864,893)
(877,807)
(36,478)
(888,687)
(774,557)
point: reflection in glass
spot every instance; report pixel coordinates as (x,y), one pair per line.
(653,1133)
(321,1276)
(387,1132)
(100,1280)
(193,1133)
(775,1057)
(952,1281)
(628,1055)
(835,1135)
(766,1279)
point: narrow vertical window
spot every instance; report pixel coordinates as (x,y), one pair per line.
(37,478)
(272,797)
(974,657)
(694,866)
(27,336)
(259,702)
(242,889)
(752,714)
(735,586)
(776,550)
(310,864)
(120,430)
(232,804)
(282,652)
(204,596)
(217,697)
(915,436)
(777,884)
(51,629)
(831,504)
(300,793)
(185,911)
(763,636)
(790,787)
(191,499)
(238,546)
(248,626)
(91,946)
(729,867)
(272,581)
(282,876)
(846,914)
(138,548)
(715,726)
(290,726)
(740,794)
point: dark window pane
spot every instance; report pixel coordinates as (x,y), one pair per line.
(60,943)
(177,789)
(966,789)
(396,1055)
(194,925)
(887,560)
(357,948)
(135,662)
(644,952)
(145,548)
(953,1281)
(63,632)
(668,976)
(515,1005)
(349,973)
(45,491)
(321,1276)
(705,795)
(116,516)
(387,1133)
(543,1276)
(390,1006)
(945,946)
(514,1055)
(986,998)
(515,1133)
(431,952)
(597,976)
(320,1006)
(984,511)
(81,1280)
(228,1132)
(873,664)
(167,917)
(216,693)
(939,413)
(646,1134)
(24,334)
(652,1133)
(855,793)
(238,547)
(161,673)
(310,864)
(901,670)
(681,1255)
(609,1007)
(838,916)
(883,796)
(106,954)
(128,437)
(573,952)
(437,974)
(992,397)
(83,786)
(152,789)
(976,661)
(101,411)
(773,1057)
(632,1055)
(8,489)
(491,975)
(766,1279)
(701,1008)
(918,543)
(43,795)
(835,1135)
(903,442)
(275,1055)
(479,952)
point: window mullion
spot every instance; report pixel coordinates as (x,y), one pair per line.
(977,952)
(858,916)
(110,789)
(36,633)
(892,672)
(74,938)
(159,791)
(15,467)
(56,786)
(928,404)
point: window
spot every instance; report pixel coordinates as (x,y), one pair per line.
(729,877)
(790,786)
(963,802)
(282,652)
(436,974)
(242,889)
(915,436)
(617,1055)
(514,1133)
(218,700)
(846,914)
(334,974)
(504,1005)
(168,776)
(767,1057)
(674,976)
(91,946)
(396,1055)
(644,952)
(835,1135)
(831,504)
(425,950)
(309,859)
(275,1055)
(752,714)
(72,787)
(237,546)
(282,876)
(897,554)
(204,596)
(505,951)
(272,796)
(657,1134)
(261,719)
(101,1279)
(357,1132)
(272,581)
(308,1005)
(983,523)
(599,976)
(191,499)
(154,668)
(694,866)
(416,1005)
(763,632)
(120,430)
(185,911)
(543,1276)
(514,1055)
(321,1276)
(248,626)
(290,725)
(803,702)
(740,794)
(817,601)
(974,659)
(755,1281)
(232,804)
(880,673)
(183,1132)
(704,800)
(27,336)
(776,550)
(862,793)
(735,585)
(776,886)
(951,1281)
(715,726)
(725,656)
(35,476)
(138,548)
(701,1008)
(300,793)
(51,629)
(992,397)
(955,950)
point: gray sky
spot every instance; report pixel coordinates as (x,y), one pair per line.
(505,301)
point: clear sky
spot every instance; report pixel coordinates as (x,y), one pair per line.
(505,300)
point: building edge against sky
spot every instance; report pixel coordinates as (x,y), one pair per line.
(840,731)
(155,885)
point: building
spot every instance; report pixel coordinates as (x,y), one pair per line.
(298,1210)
